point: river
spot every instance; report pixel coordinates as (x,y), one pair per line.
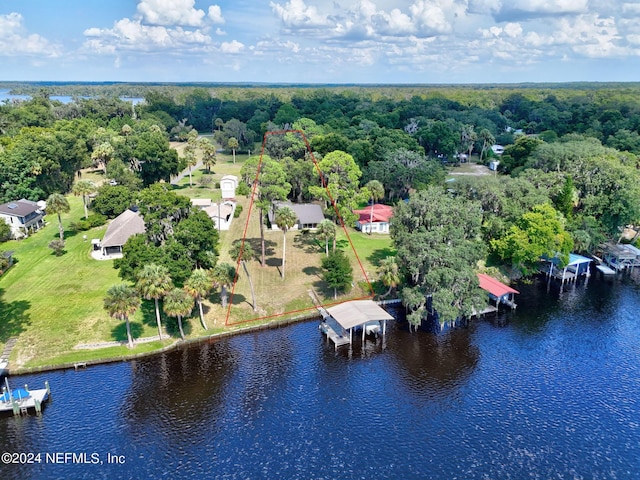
(550,391)
(6,96)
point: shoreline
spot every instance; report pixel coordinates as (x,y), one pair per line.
(175,345)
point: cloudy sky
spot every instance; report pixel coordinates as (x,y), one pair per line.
(320,41)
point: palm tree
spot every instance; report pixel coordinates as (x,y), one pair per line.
(223,275)
(84,188)
(154,283)
(389,274)
(218,122)
(57,203)
(241,252)
(233,144)
(190,152)
(487,140)
(102,154)
(121,302)
(286,218)
(208,153)
(376,192)
(178,303)
(198,286)
(326,230)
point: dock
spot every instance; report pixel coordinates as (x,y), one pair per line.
(21,401)
(485,311)
(605,270)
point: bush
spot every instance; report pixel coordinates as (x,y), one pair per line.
(243,189)
(95,220)
(57,246)
(237,211)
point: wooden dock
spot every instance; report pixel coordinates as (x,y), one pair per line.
(488,309)
(20,404)
(605,270)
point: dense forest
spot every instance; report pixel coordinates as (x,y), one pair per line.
(569,177)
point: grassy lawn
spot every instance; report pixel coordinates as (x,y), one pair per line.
(54,303)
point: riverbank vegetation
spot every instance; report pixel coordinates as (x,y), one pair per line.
(568,180)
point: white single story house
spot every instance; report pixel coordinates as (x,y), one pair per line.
(378,223)
(309,215)
(23,216)
(221,213)
(125,225)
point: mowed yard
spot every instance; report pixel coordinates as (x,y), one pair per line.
(53,304)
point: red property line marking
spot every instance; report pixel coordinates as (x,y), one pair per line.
(246,226)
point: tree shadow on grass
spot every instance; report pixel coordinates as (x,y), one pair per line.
(312,270)
(119,332)
(14,317)
(308,243)
(148,309)
(377,256)
(172,325)
(256,245)
(340,244)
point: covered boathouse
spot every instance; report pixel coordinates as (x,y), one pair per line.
(341,320)
(577,266)
(498,293)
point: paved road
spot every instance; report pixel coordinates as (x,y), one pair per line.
(185,173)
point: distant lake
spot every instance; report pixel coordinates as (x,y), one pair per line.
(549,391)
(5,95)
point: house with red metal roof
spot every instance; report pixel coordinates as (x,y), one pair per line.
(374,219)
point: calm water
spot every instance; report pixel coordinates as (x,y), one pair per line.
(6,96)
(552,391)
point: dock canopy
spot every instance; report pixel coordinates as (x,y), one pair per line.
(357,313)
(494,287)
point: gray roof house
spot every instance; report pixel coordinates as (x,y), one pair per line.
(23,216)
(309,215)
(125,225)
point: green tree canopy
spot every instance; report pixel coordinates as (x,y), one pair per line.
(539,233)
(338,273)
(438,242)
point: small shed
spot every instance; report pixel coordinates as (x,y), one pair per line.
(228,185)
(498,291)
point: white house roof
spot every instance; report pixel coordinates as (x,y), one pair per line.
(357,312)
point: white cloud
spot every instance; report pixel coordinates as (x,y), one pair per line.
(132,35)
(522,9)
(215,15)
(231,47)
(15,40)
(296,14)
(429,17)
(170,12)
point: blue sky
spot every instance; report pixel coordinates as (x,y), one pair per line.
(320,41)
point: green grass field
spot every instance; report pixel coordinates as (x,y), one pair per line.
(53,304)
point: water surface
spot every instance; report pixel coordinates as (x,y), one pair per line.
(551,391)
